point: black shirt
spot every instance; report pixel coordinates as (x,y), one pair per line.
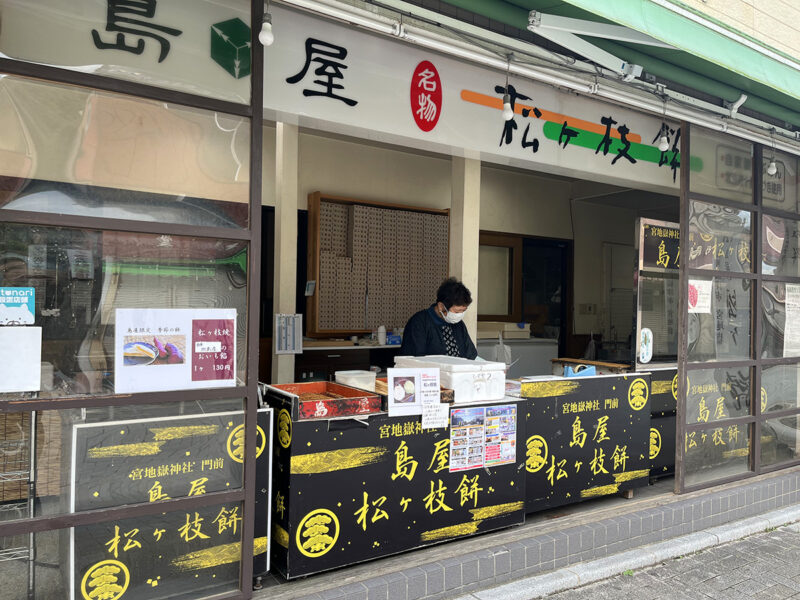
(427,333)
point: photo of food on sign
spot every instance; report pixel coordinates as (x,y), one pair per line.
(158,350)
(404,389)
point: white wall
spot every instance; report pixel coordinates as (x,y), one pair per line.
(516,202)
(594,225)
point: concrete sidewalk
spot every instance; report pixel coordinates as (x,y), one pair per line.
(754,558)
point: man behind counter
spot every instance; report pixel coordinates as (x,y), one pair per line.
(438,329)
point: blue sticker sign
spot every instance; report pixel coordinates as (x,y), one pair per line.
(17,306)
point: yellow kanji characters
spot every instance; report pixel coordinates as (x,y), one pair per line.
(691,442)
(385,431)
(405,465)
(598,462)
(719,411)
(717,437)
(578,464)
(157,533)
(198,487)
(733,434)
(601,430)
(552,476)
(280,504)
(578,434)
(156,492)
(379,513)
(191,529)
(663,255)
(227,519)
(441,456)
(130,542)
(468,489)
(404,502)
(434,501)
(702,411)
(620,457)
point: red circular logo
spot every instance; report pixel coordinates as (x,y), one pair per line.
(426,95)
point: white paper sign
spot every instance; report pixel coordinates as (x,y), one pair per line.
(403,387)
(700,296)
(174,349)
(435,416)
(20,359)
(791,333)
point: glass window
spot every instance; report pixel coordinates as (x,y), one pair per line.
(720,238)
(718,394)
(196,46)
(722,166)
(780,440)
(96,458)
(780,190)
(719,319)
(76,281)
(780,246)
(716,453)
(75,151)
(180,554)
(780,388)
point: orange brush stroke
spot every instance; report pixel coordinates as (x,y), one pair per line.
(495,102)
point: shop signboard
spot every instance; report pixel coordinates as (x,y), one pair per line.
(170,553)
(660,246)
(390,486)
(364,92)
(586,437)
(197,46)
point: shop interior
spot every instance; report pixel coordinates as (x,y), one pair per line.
(556,252)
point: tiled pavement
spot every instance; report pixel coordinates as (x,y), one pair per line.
(480,563)
(765,566)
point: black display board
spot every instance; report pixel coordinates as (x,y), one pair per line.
(662,445)
(586,437)
(660,246)
(174,554)
(663,391)
(663,407)
(347,491)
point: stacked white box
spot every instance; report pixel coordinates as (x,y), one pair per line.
(390,287)
(357,242)
(344,269)
(326,290)
(374,266)
(418,260)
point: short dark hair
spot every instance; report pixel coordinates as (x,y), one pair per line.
(453,293)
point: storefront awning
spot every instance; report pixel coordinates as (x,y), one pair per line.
(705,55)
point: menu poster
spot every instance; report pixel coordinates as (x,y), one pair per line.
(501,435)
(791,334)
(174,349)
(467,438)
(411,389)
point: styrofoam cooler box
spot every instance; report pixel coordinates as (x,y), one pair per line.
(471,380)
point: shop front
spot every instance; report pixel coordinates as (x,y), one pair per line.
(138,445)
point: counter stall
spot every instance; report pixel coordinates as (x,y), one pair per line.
(585,437)
(352,489)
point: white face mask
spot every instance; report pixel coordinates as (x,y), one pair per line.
(453,317)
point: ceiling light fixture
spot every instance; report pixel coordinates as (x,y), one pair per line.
(508,111)
(265,36)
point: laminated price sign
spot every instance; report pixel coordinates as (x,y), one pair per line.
(174,349)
